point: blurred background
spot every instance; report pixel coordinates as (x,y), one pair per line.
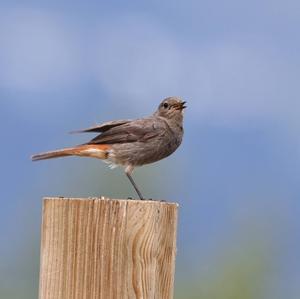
(65,66)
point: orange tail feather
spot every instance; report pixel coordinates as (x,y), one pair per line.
(53,154)
(95,151)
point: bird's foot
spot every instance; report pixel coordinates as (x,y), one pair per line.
(141,198)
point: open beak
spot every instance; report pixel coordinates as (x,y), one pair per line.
(180,106)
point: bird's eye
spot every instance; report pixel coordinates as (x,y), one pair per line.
(166,105)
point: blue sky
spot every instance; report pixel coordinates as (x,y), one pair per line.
(66,66)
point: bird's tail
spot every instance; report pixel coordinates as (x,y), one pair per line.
(53,154)
(99,151)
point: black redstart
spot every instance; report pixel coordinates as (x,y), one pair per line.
(132,143)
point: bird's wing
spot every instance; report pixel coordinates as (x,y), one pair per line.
(137,130)
(103,127)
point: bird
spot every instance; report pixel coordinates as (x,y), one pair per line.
(131,143)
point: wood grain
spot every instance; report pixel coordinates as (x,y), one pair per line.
(100,248)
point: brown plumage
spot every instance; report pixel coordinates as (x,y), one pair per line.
(132,143)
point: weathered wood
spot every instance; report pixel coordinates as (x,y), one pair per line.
(100,248)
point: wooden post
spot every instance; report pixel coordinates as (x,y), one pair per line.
(99,248)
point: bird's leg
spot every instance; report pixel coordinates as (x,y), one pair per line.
(135,186)
(128,171)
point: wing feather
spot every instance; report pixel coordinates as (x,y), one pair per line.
(103,127)
(138,130)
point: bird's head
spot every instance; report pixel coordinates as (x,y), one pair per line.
(171,108)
